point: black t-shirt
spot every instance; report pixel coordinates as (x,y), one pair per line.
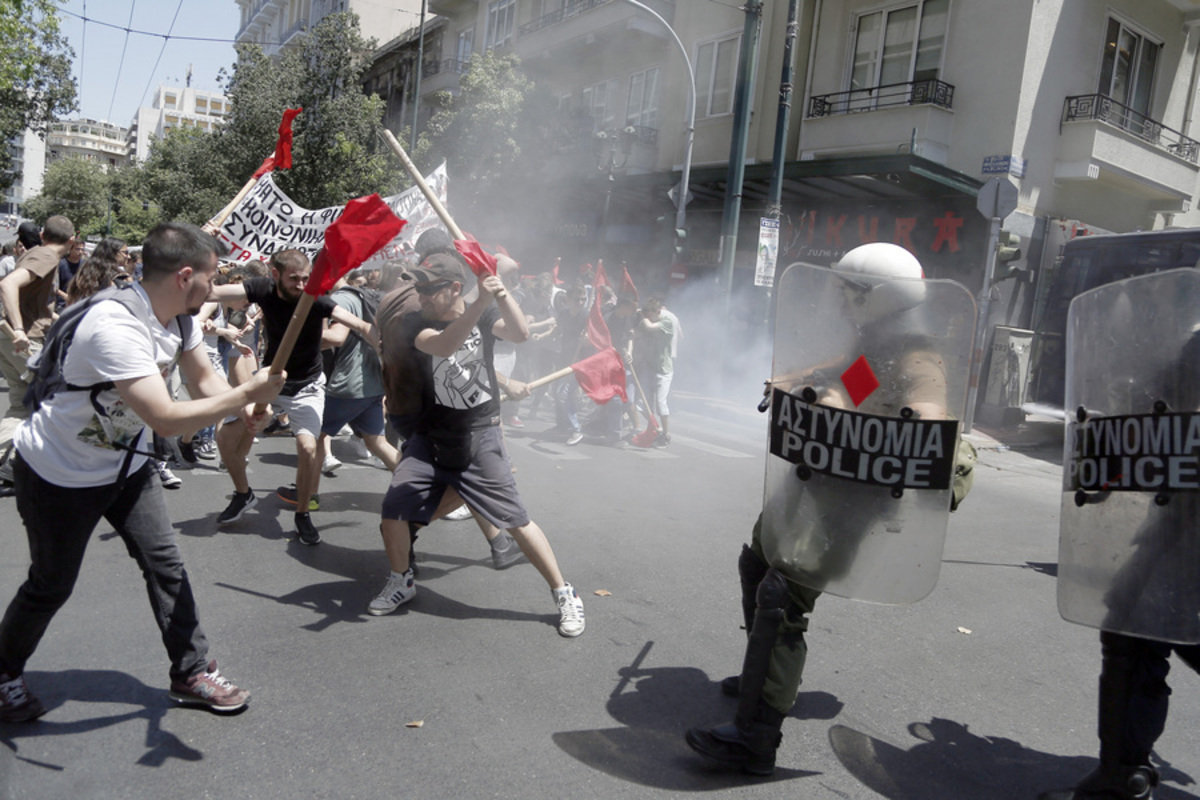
(460,392)
(304,365)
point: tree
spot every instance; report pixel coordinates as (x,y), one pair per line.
(335,152)
(187,177)
(77,189)
(36,85)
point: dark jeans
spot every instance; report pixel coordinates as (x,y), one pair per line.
(59,521)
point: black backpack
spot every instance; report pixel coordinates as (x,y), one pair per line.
(47,366)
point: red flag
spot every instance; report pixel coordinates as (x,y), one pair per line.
(268,164)
(597,329)
(365,226)
(602,376)
(283,147)
(557,280)
(482,263)
(627,286)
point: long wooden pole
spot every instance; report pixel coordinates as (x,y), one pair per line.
(426,190)
(219,219)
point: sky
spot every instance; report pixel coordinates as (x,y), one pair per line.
(112,88)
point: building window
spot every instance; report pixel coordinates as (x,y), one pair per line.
(465,45)
(642,108)
(501,15)
(1127,68)
(716,66)
(600,101)
(899,45)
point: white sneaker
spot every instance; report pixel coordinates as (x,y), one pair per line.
(398,591)
(360,448)
(459,514)
(570,611)
(330,465)
(169,479)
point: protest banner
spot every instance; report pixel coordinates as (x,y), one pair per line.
(267,221)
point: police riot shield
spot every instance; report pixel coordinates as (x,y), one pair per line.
(868,383)
(1129,540)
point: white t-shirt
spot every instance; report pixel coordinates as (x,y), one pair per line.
(67,442)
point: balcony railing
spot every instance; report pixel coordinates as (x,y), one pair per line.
(571,9)
(431,68)
(913,93)
(1102,108)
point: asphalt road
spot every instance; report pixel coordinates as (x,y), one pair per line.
(979,691)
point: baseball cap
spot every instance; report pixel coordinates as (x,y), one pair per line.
(438,267)
(29,234)
(431,240)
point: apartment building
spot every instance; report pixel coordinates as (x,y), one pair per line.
(900,112)
(278,24)
(29,162)
(89,139)
(174,107)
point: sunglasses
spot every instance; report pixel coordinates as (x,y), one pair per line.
(429,289)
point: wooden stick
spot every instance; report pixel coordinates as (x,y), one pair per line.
(219,219)
(426,190)
(288,342)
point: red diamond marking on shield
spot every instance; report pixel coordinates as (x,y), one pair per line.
(860,381)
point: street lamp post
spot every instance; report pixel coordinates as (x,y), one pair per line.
(685,174)
(613,148)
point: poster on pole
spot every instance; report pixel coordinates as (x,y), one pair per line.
(267,221)
(768,251)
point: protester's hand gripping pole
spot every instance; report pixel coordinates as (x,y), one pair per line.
(545,379)
(426,190)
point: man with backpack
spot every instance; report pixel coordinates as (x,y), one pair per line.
(83,456)
(354,392)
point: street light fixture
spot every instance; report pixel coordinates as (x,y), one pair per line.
(611,144)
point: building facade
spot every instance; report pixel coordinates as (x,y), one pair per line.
(278,24)
(174,107)
(89,139)
(29,162)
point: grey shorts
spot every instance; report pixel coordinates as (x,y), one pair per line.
(487,485)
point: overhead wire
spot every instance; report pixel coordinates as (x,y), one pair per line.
(121,63)
(154,70)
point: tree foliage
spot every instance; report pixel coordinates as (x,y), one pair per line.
(36,85)
(335,153)
(77,189)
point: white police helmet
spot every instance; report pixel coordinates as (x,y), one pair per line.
(872,299)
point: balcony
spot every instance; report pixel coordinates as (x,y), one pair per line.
(913,93)
(446,65)
(917,115)
(583,27)
(1101,139)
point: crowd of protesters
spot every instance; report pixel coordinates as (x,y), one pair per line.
(419,361)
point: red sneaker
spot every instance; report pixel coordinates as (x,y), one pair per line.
(210,690)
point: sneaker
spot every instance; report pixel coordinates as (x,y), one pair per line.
(288,495)
(17,703)
(360,448)
(398,591)
(459,514)
(169,479)
(6,471)
(514,422)
(663,440)
(239,505)
(505,552)
(306,532)
(330,465)
(574,438)
(277,428)
(210,690)
(187,451)
(206,450)
(570,611)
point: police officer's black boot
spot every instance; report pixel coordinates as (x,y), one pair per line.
(1124,772)
(750,741)
(751,571)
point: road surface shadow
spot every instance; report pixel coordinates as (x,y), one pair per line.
(656,706)
(110,687)
(951,761)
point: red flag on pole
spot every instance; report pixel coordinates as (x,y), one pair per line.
(602,376)
(283,147)
(597,329)
(282,157)
(365,226)
(481,262)
(627,286)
